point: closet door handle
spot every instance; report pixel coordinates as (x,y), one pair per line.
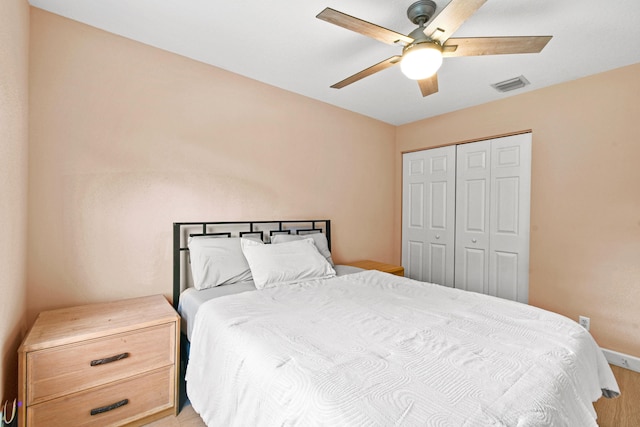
(437,236)
(473,240)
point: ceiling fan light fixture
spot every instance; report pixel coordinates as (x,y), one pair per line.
(421,60)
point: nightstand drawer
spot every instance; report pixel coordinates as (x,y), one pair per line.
(70,368)
(113,404)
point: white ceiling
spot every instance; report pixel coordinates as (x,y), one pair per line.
(281,43)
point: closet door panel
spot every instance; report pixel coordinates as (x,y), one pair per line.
(475,206)
(438,205)
(473,191)
(416,205)
(474,267)
(509,217)
(438,263)
(428,215)
(506,275)
(413,216)
(413,257)
(507,208)
(414,233)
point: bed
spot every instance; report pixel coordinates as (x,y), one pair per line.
(364,348)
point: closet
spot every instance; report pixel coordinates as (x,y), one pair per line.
(465,216)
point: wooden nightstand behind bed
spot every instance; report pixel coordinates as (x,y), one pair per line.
(398,270)
(100,364)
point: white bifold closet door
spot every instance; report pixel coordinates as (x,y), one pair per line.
(489,218)
(428,215)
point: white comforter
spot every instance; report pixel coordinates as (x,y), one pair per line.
(372,349)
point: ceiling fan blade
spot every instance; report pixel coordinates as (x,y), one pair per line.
(450,18)
(474,46)
(428,86)
(389,62)
(363,27)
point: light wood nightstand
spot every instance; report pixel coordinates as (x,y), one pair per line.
(398,270)
(101,364)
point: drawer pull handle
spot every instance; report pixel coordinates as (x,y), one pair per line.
(109,359)
(109,407)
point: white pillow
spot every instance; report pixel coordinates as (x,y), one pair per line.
(285,263)
(217,261)
(319,239)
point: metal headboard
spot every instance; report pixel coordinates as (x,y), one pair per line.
(265,229)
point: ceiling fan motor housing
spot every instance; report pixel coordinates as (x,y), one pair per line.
(421,11)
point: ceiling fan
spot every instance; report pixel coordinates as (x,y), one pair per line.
(424,48)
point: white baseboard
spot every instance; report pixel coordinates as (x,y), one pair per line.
(623,360)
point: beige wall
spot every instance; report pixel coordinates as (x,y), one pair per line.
(585,207)
(126,139)
(14,45)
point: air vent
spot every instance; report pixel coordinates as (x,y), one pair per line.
(511,84)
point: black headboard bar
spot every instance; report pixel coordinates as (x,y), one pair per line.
(252,233)
(283,226)
(274,232)
(227,234)
(176,264)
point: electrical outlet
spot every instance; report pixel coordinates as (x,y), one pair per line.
(585,322)
(623,360)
